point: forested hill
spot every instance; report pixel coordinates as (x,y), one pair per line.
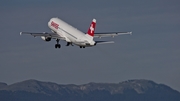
(131,90)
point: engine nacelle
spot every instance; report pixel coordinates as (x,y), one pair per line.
(46,38)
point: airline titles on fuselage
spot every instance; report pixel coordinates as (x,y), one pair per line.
(55,25)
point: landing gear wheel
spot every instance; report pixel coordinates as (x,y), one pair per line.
(57,46)
(82,46)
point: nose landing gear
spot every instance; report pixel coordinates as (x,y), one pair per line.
(57,45)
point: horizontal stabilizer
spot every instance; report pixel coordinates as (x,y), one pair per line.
(103,42)
(110,34)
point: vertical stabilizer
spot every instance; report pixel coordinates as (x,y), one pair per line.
(90,33)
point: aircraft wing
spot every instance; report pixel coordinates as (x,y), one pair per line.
(45,34)
(110,34)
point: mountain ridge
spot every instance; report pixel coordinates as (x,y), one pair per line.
(127,90)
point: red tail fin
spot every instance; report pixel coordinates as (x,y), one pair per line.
(92,28)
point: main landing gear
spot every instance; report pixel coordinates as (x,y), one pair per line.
(69,43)
(82,46)
(57,45)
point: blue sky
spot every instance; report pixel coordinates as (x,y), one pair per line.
(152,52)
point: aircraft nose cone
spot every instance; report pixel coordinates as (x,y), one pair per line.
(49,23)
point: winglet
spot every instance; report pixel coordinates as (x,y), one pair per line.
(130,33)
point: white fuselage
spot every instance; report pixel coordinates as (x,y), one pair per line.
(69,33)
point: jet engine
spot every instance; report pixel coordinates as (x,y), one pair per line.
(46,38)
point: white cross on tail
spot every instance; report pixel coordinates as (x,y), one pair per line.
(91,28)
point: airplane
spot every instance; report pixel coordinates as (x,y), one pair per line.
(63,31)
